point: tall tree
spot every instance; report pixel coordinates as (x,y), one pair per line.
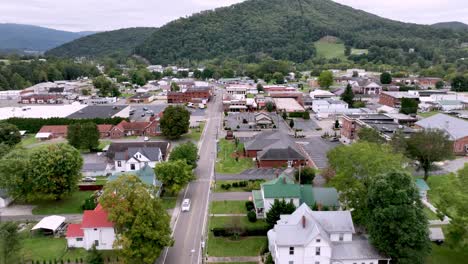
(393,198)
(370,135)
(9,134)
(175,121)
(278,77)
(325,79)
(460,83)
(174,87)
(174,175)
(74,135)
(429,146)
(409,106)
(355,165)
(89,136)
(260,87)
(141,222)
(305,175)
(10,243)
(186,151)
(348,95)
(386,78)
(14,175)
(278,208)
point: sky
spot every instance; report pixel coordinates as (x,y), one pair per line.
(101,15)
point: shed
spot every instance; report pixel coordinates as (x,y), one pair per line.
(51,223)
(43,136)
(436,234)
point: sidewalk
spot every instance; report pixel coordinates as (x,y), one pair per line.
(233,259)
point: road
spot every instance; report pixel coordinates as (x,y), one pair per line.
(190,226)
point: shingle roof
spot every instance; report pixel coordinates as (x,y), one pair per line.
(123,146)
(54,129)
(152,153)
(456,128)
(358,249)
(274,146)
(74,230)
(96,218)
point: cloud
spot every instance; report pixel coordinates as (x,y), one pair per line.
(98,15)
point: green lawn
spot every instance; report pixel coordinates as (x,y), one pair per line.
(428,114)
(169,202)
(251,185)
(228,207)
(104,143)
(28,139)
(444,255)
(329,50)
(434,182)
(227,247)
(230,221)
(195,134)
(68,205)
(101,180)
(227,164)
(430,215)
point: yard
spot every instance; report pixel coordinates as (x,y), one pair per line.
(228,207)
(428,114)
(28,140)
(329,50)
(445,255)
(243,246)
(251,185)
(239,221)
(169,202)
(195,134)
(103,143)
(227,163)
(69,205)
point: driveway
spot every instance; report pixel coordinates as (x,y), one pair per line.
(15,210)
(252,174)
(317,149)
(455,165)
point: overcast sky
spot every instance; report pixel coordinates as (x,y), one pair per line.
(99,15)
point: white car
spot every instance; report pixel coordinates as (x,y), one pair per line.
(186,205)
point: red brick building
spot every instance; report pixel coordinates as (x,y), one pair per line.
(125,128)
(393,99)
(57,131)
(41,99)
(189,95)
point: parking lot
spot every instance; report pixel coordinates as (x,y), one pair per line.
(317,149)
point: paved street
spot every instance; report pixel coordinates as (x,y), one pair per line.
(189,226)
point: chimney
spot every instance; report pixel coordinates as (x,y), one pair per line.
(303,222)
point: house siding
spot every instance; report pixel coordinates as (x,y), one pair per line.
(460,146)
(105,236)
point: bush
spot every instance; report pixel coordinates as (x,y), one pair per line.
(226,186)
(243,184)
(249,205)
(269,259)
(253,185)
(306,115)
(243,232)
(252,216)
(235,184)
(89,203)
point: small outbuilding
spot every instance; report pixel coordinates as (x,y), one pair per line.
(51,224)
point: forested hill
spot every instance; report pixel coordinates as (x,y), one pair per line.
(33,38)
(285,29)
(120,42)
(455,25)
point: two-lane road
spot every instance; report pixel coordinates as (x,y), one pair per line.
(190,226)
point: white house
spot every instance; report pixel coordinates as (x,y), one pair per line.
(134,159)
(5,199)
(95,229)
(329,106)
(320,237)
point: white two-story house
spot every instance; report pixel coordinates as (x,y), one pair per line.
(95,229)
(134,159)
(320,237)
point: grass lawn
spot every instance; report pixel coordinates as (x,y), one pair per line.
(104,143)
(330,50)
(430,215)
(28,139)
(444,255)
(227,164)
(68,205)
(229,221)
(228,207)
(101,180)
(244,246)
(169,202)
(43,248)
(428,114)
(195,134)
(434,182)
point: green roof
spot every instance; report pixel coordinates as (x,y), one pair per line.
(281,187)
(258,199)
(422,185)
(146,175)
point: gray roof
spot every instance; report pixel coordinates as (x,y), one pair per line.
(97,111)
(274,146)
(123,146)
(152,153)
(94,167)
(358,249)
(456,128)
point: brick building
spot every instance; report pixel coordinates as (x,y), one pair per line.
(124,128)
(393,99)
(189,95)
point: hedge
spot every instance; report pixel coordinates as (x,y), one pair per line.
(249,231)
(305,115)
(33,125)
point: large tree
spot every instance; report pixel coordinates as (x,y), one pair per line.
(278,208)
(370,135)
(15,175)
(348,95)
(396,222)
(429,146)
(10,243)
(409,106)
(460,83)
(386,78)
(174,175)
(186,151)
(89,136)
(139,218)
(175,121)
(355,165)
(325,79)
(9,134)
(305,175)
(74,135)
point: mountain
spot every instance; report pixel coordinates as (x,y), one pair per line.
(109,43)
(451,25)
(33,38)
(285,29)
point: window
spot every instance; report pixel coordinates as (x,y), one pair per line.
(317,262)
(119,163)
(317,251)
(96,242)
(79,239)
(341,237)
(132,166)
(291,262)
(95,229)
(291,250)
(317,240)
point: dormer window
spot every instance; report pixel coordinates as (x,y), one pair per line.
(291,250)
(317,240)
(341,237)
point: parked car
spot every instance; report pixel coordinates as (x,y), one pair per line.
(88,179)
(186,205)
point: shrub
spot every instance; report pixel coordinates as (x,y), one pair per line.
(249,205)
(226,186)
(229,232)
(306,115)
(253,185)
(252,216)
(243,184)
(235,184)
(269,259)
(89,203)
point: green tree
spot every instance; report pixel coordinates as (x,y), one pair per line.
(460,83)
(94,256)
(409,106)
(187,152)
(138,77)
(270,106)
(291,123)
(347,51)
(17,82)
(278,77)
(370,135)
(74,135)
(140,220)
(325,79)
(355,165)
(348,95)
(15,175)
(393,198)
(197,74)
(429,146)
(105,86)
(175,121)
(10,243)
(305,175)
(260,87)
(174,87)
(277,209)
(4,85)
(9,134)
(398,141)
(386,78)
(89,136)
(439,85)
(4,149)
(174,175)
